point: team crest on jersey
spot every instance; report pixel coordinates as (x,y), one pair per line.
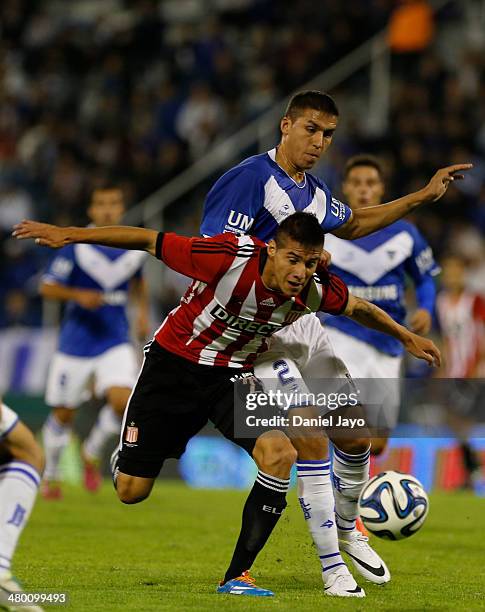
(292,316)
(131,435)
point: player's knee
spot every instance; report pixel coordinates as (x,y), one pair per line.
(312,447)
(130,496)
(118,398)
(132,490)
(275,454)
(65,416)
(36,457)
(354,446)
(22,446)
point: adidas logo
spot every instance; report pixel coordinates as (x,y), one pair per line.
(268,302)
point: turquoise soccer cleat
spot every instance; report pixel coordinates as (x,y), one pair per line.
(243,585)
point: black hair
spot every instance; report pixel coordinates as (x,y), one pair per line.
(363,160)
(313,99)
(301,227)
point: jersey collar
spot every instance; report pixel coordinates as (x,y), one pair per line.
(272,155)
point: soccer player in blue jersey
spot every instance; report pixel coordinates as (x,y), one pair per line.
(21,466)
(254,197)
(96,283)
(376,267)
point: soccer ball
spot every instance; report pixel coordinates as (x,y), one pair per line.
(393,505)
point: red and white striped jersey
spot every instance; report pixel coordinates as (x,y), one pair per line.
(227,314)
(462,323)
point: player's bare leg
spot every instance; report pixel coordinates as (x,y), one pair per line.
(317,502)
(274,455)
(56,434)
(351,460)
(21,466)
(107,425)
(133,489)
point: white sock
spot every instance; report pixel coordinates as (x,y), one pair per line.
(19,483)
(350,474)
(56,437)
(316,500)
(107,425)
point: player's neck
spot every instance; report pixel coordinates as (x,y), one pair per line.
(268,277)
(291,170)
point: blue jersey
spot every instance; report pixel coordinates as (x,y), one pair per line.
(256,195)
(374,268)
(87,333)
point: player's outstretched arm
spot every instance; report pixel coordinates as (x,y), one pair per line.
(372,316)
(371,218)
(133,238)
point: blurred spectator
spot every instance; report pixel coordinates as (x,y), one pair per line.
(411,26)
(199,120)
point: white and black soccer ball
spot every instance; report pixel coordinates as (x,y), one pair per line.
(393,505)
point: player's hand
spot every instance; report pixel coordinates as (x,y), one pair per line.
(423,348)
(440,182)
(326,258)
(43,233)
(420,322)
(89,298)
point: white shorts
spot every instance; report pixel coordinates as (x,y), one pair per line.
(307,351)
(8,420)
(298,354)
(365,361)
(69,376)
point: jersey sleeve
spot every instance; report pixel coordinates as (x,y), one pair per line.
(336,215)
(202,259)
(422,267)
(60,267)
(335,293)
(232,203)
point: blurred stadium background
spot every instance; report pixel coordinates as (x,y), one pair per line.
(163,96)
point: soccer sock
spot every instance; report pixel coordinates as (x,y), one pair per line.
(316,500)
(107,425)
(113,464)
(56,437)
(19,483)
(262,510)
(350,474)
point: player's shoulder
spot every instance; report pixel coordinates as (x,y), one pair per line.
(66,252)
(260,166)
(402,225)
(257,166)
(316,181)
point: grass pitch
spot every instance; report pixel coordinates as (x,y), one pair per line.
(169,552)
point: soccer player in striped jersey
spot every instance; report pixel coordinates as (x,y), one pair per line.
(242,293)
(21,467)
(253,198)
(461,318)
